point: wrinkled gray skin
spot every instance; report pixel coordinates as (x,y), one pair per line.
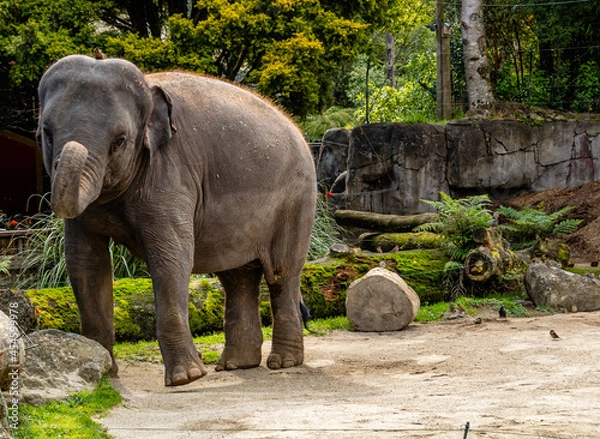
(192,174)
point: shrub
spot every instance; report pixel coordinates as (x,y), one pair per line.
(457,220)
(525,225)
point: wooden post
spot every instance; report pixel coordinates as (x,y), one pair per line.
(444,88)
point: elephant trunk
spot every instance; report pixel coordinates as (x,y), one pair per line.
(72,190)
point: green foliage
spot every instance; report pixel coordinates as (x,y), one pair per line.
(457,220)
(431,313)
(545,56)
(316,125)
(587,94)
(44,266)
(73,418)
(36,33)
(527,224)
(5,265)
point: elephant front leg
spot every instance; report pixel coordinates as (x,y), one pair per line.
(181,358)
(288,343)
(90,271)
(243,334)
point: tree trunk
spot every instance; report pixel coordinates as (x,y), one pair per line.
(390,59)
(443,66)
(492,258)
(381,222)
(477,68)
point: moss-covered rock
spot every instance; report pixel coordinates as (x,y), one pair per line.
(324,283)
(135,317)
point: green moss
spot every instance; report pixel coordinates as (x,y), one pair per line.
(324,288)
(324,285)
(56,308)
(423,271)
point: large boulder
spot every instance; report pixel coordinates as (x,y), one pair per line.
(61,363)
(12,350)
(23,309)
(553,287)
(381,301)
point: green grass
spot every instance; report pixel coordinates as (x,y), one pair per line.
(583,271)
(72,419)
(431,313)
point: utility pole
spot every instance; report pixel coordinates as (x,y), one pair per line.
(444,88)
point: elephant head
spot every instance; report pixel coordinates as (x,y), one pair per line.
(98,118)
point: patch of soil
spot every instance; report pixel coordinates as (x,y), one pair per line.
(585,242)
(507,377)
(338,283)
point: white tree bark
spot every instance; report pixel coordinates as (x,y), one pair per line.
(477,67)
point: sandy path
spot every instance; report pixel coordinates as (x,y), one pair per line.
(508,379)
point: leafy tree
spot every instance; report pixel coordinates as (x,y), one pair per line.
(413,97)
(293,51)
(545,55)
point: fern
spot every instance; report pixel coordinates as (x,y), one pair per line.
(566,227)
(527,224)
(457,220)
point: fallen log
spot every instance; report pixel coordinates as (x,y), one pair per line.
(387,242)
(381,301)
(382,222)
(494,258)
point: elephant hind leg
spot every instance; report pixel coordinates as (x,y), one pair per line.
(243,334)
(288,345)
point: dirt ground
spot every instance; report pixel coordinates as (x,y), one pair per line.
(506,378)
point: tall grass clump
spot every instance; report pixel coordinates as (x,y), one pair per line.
(43,262)
(326,231)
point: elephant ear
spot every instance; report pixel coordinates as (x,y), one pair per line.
(159,128)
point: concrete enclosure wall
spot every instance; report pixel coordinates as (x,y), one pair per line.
(390,168)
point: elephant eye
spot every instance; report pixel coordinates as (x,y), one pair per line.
(118,143)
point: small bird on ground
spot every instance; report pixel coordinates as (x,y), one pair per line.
(553,334)
(502,312)
(478,321)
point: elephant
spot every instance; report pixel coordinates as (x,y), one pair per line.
(193,175)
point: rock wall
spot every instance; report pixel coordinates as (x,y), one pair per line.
(390,168)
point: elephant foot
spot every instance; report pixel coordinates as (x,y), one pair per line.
(114,368)
(279,360)
(180,374)
(240,360)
